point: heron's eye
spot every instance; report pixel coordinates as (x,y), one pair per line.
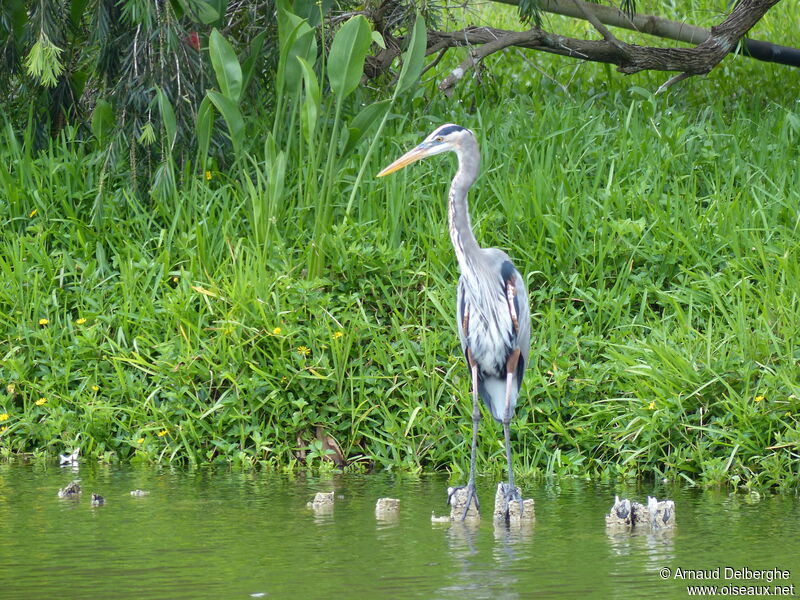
(439,138)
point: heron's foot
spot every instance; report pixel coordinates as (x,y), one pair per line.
(511,494)
(455,499)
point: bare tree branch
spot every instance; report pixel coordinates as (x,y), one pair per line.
(712,45)
(629,58)
(477,54)
(664,28)
(587,12)
(672,81)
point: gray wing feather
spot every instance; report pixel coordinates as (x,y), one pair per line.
(523,318)
(460,306)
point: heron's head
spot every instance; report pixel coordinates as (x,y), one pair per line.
(443,139)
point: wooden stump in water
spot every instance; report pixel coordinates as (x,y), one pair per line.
(387,505)
(387,509)
(321,500)
(629,515)
(458,501)
(502,507)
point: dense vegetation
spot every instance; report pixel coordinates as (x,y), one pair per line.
(229,312)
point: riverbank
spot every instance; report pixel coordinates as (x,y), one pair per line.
(657,235)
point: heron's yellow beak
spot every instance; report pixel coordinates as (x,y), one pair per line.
(405,160)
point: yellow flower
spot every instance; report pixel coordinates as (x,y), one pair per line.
(140,441)
(10,389)
(81,321)
(337,335)
(41,401)
(175,279)
(43,321)
(4,417)
(3,430)
(95,388)
(208,175)
(33,213)
(759,398)
(276,331)
(651,406)
(162,433)
(304,350)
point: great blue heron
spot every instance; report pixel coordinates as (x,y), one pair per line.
(492,302)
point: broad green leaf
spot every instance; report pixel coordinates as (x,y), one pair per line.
(305,9)
(16,16)
(290,26)
(78,79)
(204,11)
(204,126)
(102,120)
(310,10)
(220,6)
(312,101)
(232,115)
(77,9)
(363,122)
(414,56)
(167,117)
(226,66)
(305,47)
(277,176)
(346,58)
(378,39)
(287,21)
(254,53)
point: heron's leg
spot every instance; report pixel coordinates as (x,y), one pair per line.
(476,418)
(511,490)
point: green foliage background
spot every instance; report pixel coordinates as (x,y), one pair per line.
(241,302)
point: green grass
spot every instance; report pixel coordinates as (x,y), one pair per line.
(658,236)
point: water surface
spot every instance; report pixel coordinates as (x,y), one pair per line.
(218,534)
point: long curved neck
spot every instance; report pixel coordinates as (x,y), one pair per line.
(464,242)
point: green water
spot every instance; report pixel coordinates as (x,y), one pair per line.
(217,534)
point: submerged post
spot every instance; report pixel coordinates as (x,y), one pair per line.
(510,511)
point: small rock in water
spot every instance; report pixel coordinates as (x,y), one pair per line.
(503,508)
(98,500)
(322,500)
(627,514)
(139,493)
(69,459)
(457,498)
(73,489)
(387,506)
